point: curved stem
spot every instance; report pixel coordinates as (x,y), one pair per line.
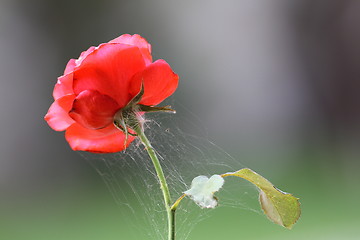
(177,202)
(163,184)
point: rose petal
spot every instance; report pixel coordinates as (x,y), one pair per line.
(105,140)
(63,86)
(76,62)
(138,41)
(159,83)
(83,55)
(57,117)
(93,110)
(109,69)
(70,66)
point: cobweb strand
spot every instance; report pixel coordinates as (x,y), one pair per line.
(132,180)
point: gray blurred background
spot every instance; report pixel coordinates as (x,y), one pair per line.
(275,83)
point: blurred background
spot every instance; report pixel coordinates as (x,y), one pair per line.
(275,84)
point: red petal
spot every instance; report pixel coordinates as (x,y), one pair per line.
(83,55)
(70,66)
(57,116)
(159,83)
(63,86)
(138,41)
(93,110)
(109,69)
(76,62)
(105,140)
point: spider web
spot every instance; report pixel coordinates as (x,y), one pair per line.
(131,178)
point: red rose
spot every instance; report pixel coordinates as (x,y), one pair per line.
(102,81)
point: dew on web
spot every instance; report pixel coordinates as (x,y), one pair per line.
(132,181)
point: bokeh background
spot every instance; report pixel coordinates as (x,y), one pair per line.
(275,83)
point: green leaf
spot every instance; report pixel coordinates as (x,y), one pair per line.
(280,207)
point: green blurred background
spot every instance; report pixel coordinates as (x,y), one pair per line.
(274,83)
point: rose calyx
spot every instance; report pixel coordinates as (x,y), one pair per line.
(130,117)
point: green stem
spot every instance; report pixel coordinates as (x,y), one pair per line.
(163,185)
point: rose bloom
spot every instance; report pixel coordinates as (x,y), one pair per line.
(101,82)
